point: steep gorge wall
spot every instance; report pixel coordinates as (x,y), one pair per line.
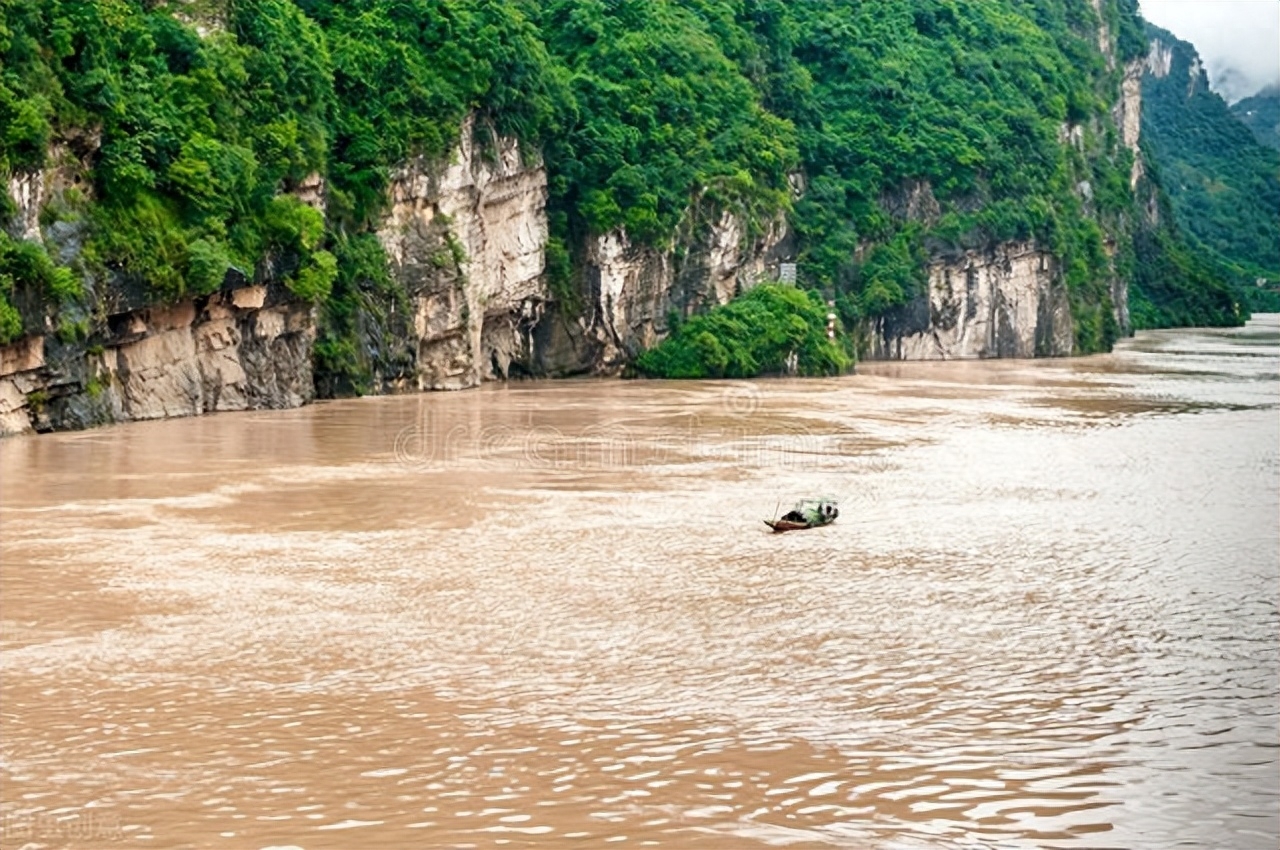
(630,291)
(1010,299)
(247,346)
(466,240)
(235,350)
(466,235)
(1007,301)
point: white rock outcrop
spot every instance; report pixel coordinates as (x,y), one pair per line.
(64,169)
(632,289)
(1105,45)
(1127,114)
(1005,302)
(27,189)
(1159,59)
(226,352)
(20,365)
(467,241)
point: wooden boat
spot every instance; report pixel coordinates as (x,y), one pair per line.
(807,513)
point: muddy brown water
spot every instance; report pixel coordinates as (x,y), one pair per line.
(549,614)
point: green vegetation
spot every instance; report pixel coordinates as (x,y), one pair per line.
(964,101)
(363,300)
(1224,193)
(660,111)
(27,264)
(1175,287)
(772,329)
(198,137)
(405,75)
(195,123)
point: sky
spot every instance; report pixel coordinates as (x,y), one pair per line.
(1239,40)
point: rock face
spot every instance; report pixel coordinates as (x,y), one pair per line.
(1006,302)
(1105,44)
(27,189)
(1159,59)
(230,351)
(1009,301)
(66,171)
(467,241)
(630,290)
(242,348)
(20,365)
(1128,116)
(235,350)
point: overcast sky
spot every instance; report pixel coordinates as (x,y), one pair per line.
(1239,40)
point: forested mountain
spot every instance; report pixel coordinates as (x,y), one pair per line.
(1223,186)
(160,150)
(1261,114)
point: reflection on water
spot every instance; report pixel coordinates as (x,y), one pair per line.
(533,614)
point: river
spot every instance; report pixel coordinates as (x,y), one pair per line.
(549,614)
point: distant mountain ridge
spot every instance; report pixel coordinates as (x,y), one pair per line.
(1223,184)
(1261,114)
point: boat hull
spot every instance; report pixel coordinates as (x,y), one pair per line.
(781,525)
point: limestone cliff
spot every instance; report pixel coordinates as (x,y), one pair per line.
(1008,301)
(629,290)
(241,349)
(466,240)
(1127,115)
(118,357)
(431,272)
